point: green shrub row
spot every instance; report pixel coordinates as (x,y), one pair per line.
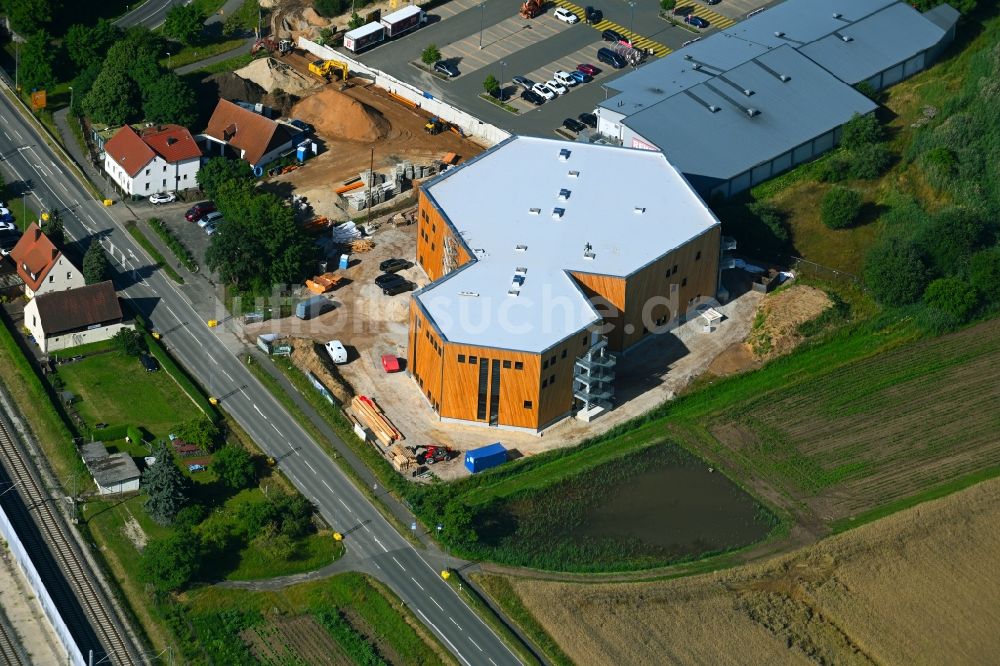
(158,260)
(174,243)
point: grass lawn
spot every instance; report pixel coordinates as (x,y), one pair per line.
(107,385)
(190,54)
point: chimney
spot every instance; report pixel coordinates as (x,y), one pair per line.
(38,232)
(55,253)
(171,140)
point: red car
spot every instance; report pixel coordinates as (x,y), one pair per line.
(589,70)
(199,211)
(390,363)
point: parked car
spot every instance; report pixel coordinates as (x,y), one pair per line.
(208,218)
(394,265)
(8,239)
(524,82)
(392,284)
(580,77)
(712,2)
(198,211)
(446,68)
(564,78)
(162,198)
(588,119)
(532,97)
(565,15)
(337,351)
(613,36)
(696,21)
(593,15)
(587,69)
(573,125)
(148,362)
(683,11)
(543,90)
(556,87)
(609,57)
(211,227)
(196,468)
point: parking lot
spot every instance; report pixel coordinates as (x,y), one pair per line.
(484,38)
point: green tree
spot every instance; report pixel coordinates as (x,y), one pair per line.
(37,68)
(28,16)
(294,515)
(492,86)
(430,55)
(235,467)
(456,525)
(113,99)
(861,131)
(169,564)
(95,264)
(330,8)
(87,45)
(165,487)
(200,432)
(895,271)
(356,21)
(219,170)
(53,228)
(840,207)
(950,238)
(129,341)
(953,296)
(185,23)
(868,162)
(170,100)
(81,85)
(984,273)
(667,5)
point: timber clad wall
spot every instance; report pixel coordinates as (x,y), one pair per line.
(431,231)
(608,296)
(425,360)
(556,379)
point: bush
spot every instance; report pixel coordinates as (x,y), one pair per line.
(129,342)
(984,273)
(330,8)
(175,245)
(834,168)
(895,272)
(840,208)
(170,564)
(200,432)
(868,162)
(355,22)
(430,55)
(861,131)
(953,296)
(492,86)
(667,5)
(235,467)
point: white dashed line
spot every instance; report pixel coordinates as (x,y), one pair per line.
(477,645)
(436,603)
(276,430)
(441,633)
(228,376)
(455,623)
(491,660)
(345,505)
(398,563)
(327,486)
(384,549)
(309,466)
(416,582)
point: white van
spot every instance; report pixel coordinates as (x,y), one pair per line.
(337,352)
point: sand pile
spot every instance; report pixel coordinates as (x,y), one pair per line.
(232,87)
(337,116)
(272,75)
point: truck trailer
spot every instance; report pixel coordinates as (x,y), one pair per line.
(365,36)
(402,21)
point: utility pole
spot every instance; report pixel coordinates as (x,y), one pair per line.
(482,11)
(371,179)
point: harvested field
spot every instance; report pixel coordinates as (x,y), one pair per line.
(875,431)
(293,640)
(914,588)
(779,316)
(337,116)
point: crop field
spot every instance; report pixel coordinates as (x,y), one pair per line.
(872,432)
(294,640)
(914,588)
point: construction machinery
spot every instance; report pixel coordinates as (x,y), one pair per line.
(435,126)
(324,68)
(531,8)
(281,46)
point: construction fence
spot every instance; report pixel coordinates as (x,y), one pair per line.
(485,133)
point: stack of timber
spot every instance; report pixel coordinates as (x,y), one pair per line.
(402,458)
(320,284)
(371,417)
(361,245)
(316,225)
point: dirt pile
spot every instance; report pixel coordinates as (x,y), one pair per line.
(309,355)
(337,116)
(232,87)
(272,75)
(775,328)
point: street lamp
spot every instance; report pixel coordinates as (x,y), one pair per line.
(631,25)
(71,99)
(482,12)
(168,59)
(502,66)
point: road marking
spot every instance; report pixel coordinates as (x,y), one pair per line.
(258,410)
(309,466)
(276,430)
(441,633)
(436,603)
(18,134)
(228,376)
(477,645)
(327,485)
(171,311)
(417,582)
(384,549)
(366,528)
(212,359)
(455,623)
(8,136)
(491,660)
(397,562)
(345,505)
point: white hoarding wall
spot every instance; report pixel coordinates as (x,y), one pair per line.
(484,133)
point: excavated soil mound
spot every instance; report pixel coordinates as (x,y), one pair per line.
(775,329)
(310,355)
(234,87)
(337,116)
(272,75)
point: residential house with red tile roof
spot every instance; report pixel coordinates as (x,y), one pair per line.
(159,158)
(63,319)
(249,135)
(42,266)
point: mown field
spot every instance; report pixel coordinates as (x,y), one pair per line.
(915,588)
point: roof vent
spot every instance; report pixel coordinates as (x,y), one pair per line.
(639,210)
(521,270)
(752,112)
(846,38)
(534,211)
(171,140)
(514,290)
(747,92)
(713,108)
(471,294)
(784,78)
(520,247)
(573,174)
(588,252)
(688,56)
(563,194)
(557,213)
(836,15)
(779,34)
(696,67)
(564,154)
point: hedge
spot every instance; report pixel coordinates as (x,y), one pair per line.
(174,243)
(181,377)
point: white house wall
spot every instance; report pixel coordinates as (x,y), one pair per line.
(157,176)
(69,340)
(64,275)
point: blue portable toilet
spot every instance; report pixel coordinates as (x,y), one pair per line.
(344,260)
(300,152)
(485,457)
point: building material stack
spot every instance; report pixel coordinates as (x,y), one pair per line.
(402,458)
(371,416)
(320,284)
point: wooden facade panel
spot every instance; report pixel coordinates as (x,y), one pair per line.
(424,361)
(517,385)
(556,366)
(607,293)
(431,233)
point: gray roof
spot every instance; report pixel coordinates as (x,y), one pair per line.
(114,469)
(532,211)
(93,451)
(729,141)
(943,16)
(878,42)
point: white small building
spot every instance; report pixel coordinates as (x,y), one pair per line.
(63,319)
(42,266)
(113,473)
(160,158)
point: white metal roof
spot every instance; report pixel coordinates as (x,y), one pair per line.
(531,210)
(365,30)
(400,14)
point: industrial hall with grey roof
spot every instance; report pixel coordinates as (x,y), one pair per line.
(741,106)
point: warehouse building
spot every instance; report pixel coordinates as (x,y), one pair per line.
(545,257)
(741,106)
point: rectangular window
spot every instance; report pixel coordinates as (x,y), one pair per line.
(164,168)
(674,270)
(495,393)
(484,373)
(584,340)
(506,364)
(472,360)
(164,182)
(518,365)
(52,278)
(697,256)
(545,364)
(684,282)
(564,353)
(147,172)
(461,358)
(434,227)
(552,361)
(527,404)
(432,247)
(69,275)
(552,379)
(545,383)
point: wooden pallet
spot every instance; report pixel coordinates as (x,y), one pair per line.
(372,417)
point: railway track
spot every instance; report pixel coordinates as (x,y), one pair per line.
(63,552)
(10,653)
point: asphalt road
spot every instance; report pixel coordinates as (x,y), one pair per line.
(150,14)
(216,360)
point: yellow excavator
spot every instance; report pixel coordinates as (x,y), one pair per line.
(323,68)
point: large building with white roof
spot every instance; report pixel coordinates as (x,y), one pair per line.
(545,256)
(744,104)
